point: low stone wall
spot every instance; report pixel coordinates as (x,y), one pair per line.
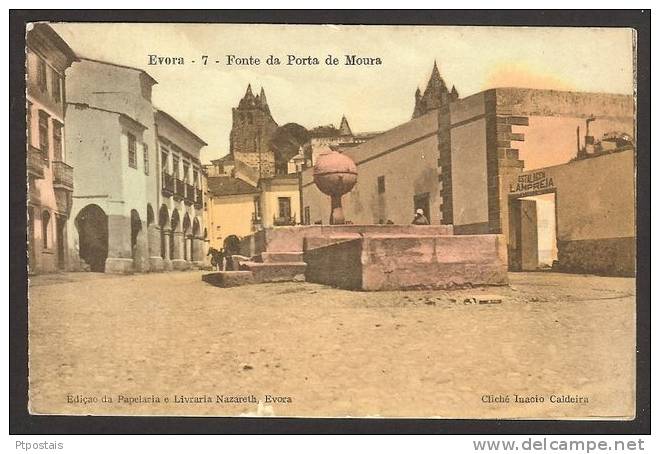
(291,239)
(396,262)
(606,256)
(337,264)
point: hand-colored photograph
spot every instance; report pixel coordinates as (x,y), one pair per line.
(365,221)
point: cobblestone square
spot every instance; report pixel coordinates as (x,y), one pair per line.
(548,346)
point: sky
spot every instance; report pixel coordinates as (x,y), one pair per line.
(373,98)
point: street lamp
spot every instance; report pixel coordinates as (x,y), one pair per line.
(299,162)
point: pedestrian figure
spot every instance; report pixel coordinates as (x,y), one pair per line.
(232,246)
(216,258)
(420,219)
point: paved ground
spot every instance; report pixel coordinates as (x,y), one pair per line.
(331,352)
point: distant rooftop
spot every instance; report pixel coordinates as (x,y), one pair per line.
(179,124)
(120,66)
(226,185)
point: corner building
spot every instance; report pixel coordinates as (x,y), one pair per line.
(49,167)
(115,143)
(182,237)
(457,160)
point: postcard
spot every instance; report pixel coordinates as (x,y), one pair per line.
(270,220)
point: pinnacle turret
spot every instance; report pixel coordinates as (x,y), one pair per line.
(344,128)
(435,94)
(454,93)
(436,85)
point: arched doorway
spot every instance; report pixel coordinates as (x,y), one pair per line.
(175,225)
(150,215)
(195,240)
(163,220)
(136,226)
(187,249)
(92,226)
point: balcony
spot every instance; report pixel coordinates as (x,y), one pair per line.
(284,220)
(179,190)
(62,176)
(168,185)
(190,194)
(199,199)
(35,162)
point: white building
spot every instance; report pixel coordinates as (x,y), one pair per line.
(114,141)
(181,213)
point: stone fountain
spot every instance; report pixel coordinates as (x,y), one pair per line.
(365,257)
(335,174)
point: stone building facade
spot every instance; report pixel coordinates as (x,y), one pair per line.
(237,207)
(115,140)
(456,156)
(594,209)
(252,129)
(50,173)
(181,212)
(436,95)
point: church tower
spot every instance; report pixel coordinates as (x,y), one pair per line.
(435,95)
(252,129)
(344,128)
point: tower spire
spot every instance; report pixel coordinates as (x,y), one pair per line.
(454,92)
(344,128)
(435,94)
(435,81)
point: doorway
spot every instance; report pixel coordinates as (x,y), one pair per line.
(533,232)
(422,201)
(60,226)
(136,227)
(92,226)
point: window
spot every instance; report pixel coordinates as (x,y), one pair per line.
(43,133)
(132,152)
(145,150)
(41,74)
(45,222)
(56,83)
(186,167)
(381,184)
(284,204)
(422,201)
(175,167)
(28,123)
(164,156)
(196,178)
(57,140)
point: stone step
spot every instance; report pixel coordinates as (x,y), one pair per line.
(281,257)
(276,272)
(229,278)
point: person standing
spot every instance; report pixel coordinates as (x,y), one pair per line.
(420,219)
